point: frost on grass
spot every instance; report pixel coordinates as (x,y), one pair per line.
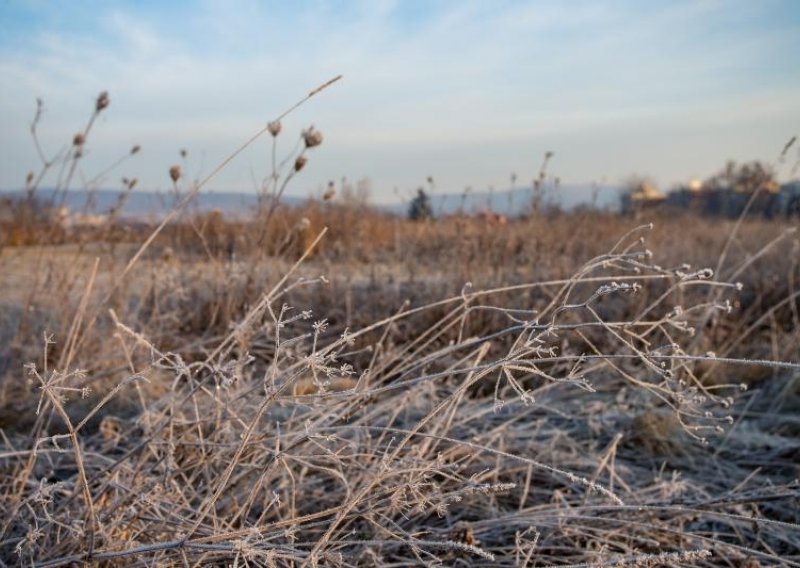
(529,439)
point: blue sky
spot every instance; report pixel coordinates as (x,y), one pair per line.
(466,91)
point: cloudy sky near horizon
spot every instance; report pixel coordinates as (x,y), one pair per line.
(466,91)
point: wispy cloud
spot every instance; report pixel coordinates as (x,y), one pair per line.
(466,91)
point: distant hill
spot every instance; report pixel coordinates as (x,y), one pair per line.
(144,205)
(517,201)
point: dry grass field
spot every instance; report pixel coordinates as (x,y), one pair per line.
(329,386)
(548,392)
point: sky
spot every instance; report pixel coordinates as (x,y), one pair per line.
(465,91)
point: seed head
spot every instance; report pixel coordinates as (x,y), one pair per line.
(175,173)
(102,101)
(29,178)
(135,149)
(330,192)
(183,153)
(312,137)
(274,127)
(78,139)
(299,163)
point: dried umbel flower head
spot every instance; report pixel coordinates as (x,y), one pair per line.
(299,163)
(175,173)
(274,127)
(302,225)
(79,139)
(329,193)
(135,149)
(312,137)
(102,101)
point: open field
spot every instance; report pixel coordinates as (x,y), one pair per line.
(400,284)
(557,390)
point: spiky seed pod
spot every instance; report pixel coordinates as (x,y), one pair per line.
(299,163)
(175,173)
(102,101)
(274,127)
(312,137)
(78,140)
(135,149)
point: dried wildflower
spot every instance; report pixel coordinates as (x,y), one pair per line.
(135,149)
(329,194)
(29,178)
(302,225)
(312,137)
(175,173)
(79,139)
(299,163)
(102,101)
(183,153)
(274,127)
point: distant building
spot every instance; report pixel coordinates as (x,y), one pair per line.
(723,201)
(789,197)
(643,195)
